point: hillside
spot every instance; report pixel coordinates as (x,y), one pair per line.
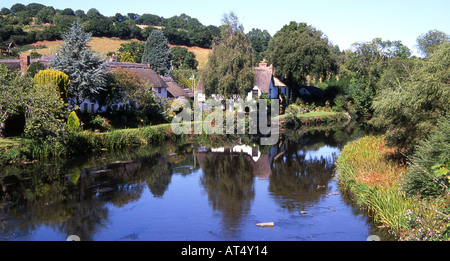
(104,45)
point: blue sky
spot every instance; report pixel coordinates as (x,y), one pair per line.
(344,21)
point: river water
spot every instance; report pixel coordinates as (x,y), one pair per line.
(188,192)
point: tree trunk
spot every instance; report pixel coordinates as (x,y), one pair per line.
(2,129)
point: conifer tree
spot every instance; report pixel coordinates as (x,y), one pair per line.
(157,53)
(85,67)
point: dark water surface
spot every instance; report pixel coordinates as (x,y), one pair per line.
(186,193)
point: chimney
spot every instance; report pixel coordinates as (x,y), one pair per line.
(25,61)
(262,65)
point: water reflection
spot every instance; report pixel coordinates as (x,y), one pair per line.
(77,196)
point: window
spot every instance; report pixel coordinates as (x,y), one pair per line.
(159,90)
(255,94)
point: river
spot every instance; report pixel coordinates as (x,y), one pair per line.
(188,192)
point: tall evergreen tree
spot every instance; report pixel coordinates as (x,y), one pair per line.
(85,67)
(157,53)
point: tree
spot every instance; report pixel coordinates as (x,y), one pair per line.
(18,8)
(157,53)
(298,51)
(45,15)
(430,41)
(229,70)
(183,58)
(134,49)
(370,66)
(260,42)
(85,68)
(412,108)
(44,111)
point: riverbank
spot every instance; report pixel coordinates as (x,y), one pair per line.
(371,173)
(16,150)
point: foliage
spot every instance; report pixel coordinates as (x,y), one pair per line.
(298,51)
(411,108)
(157,53)
(73,122)
(430,41)
(85,68)
(121,84)
(34,68)
(428,172)
(59,80)
(183,59)
(260,43)
(365,66)
(229,70)
(131,51)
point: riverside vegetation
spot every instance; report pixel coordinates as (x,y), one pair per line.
(400,176)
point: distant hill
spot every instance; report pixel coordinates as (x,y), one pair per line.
(108,44)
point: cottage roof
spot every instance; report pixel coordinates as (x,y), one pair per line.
(188,92)
(13,64)
(143,70)
(173,88)
(263,78)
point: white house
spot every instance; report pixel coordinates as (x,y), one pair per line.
(265,83)
(142,70)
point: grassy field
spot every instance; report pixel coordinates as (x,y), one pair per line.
(104,45)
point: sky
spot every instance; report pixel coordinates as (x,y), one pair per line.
(344,22)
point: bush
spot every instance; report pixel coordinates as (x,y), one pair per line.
(422,178)
(73,122)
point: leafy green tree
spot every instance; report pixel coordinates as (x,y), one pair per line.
(183,58)
(44,111)
(134,49)
(35,68)
(45,15)
(18,8)
(260,42)
(157,53)
(298,51)
(430,41)
(366,64)
(411,109)
(85,68)
(229,70)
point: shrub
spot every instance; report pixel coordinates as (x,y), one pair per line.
(73,122)
(57,79)
(429,160)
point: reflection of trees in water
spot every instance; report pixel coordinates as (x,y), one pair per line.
(73,200)
(297,180)
(228,180)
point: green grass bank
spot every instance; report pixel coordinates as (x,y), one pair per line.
(371,173)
